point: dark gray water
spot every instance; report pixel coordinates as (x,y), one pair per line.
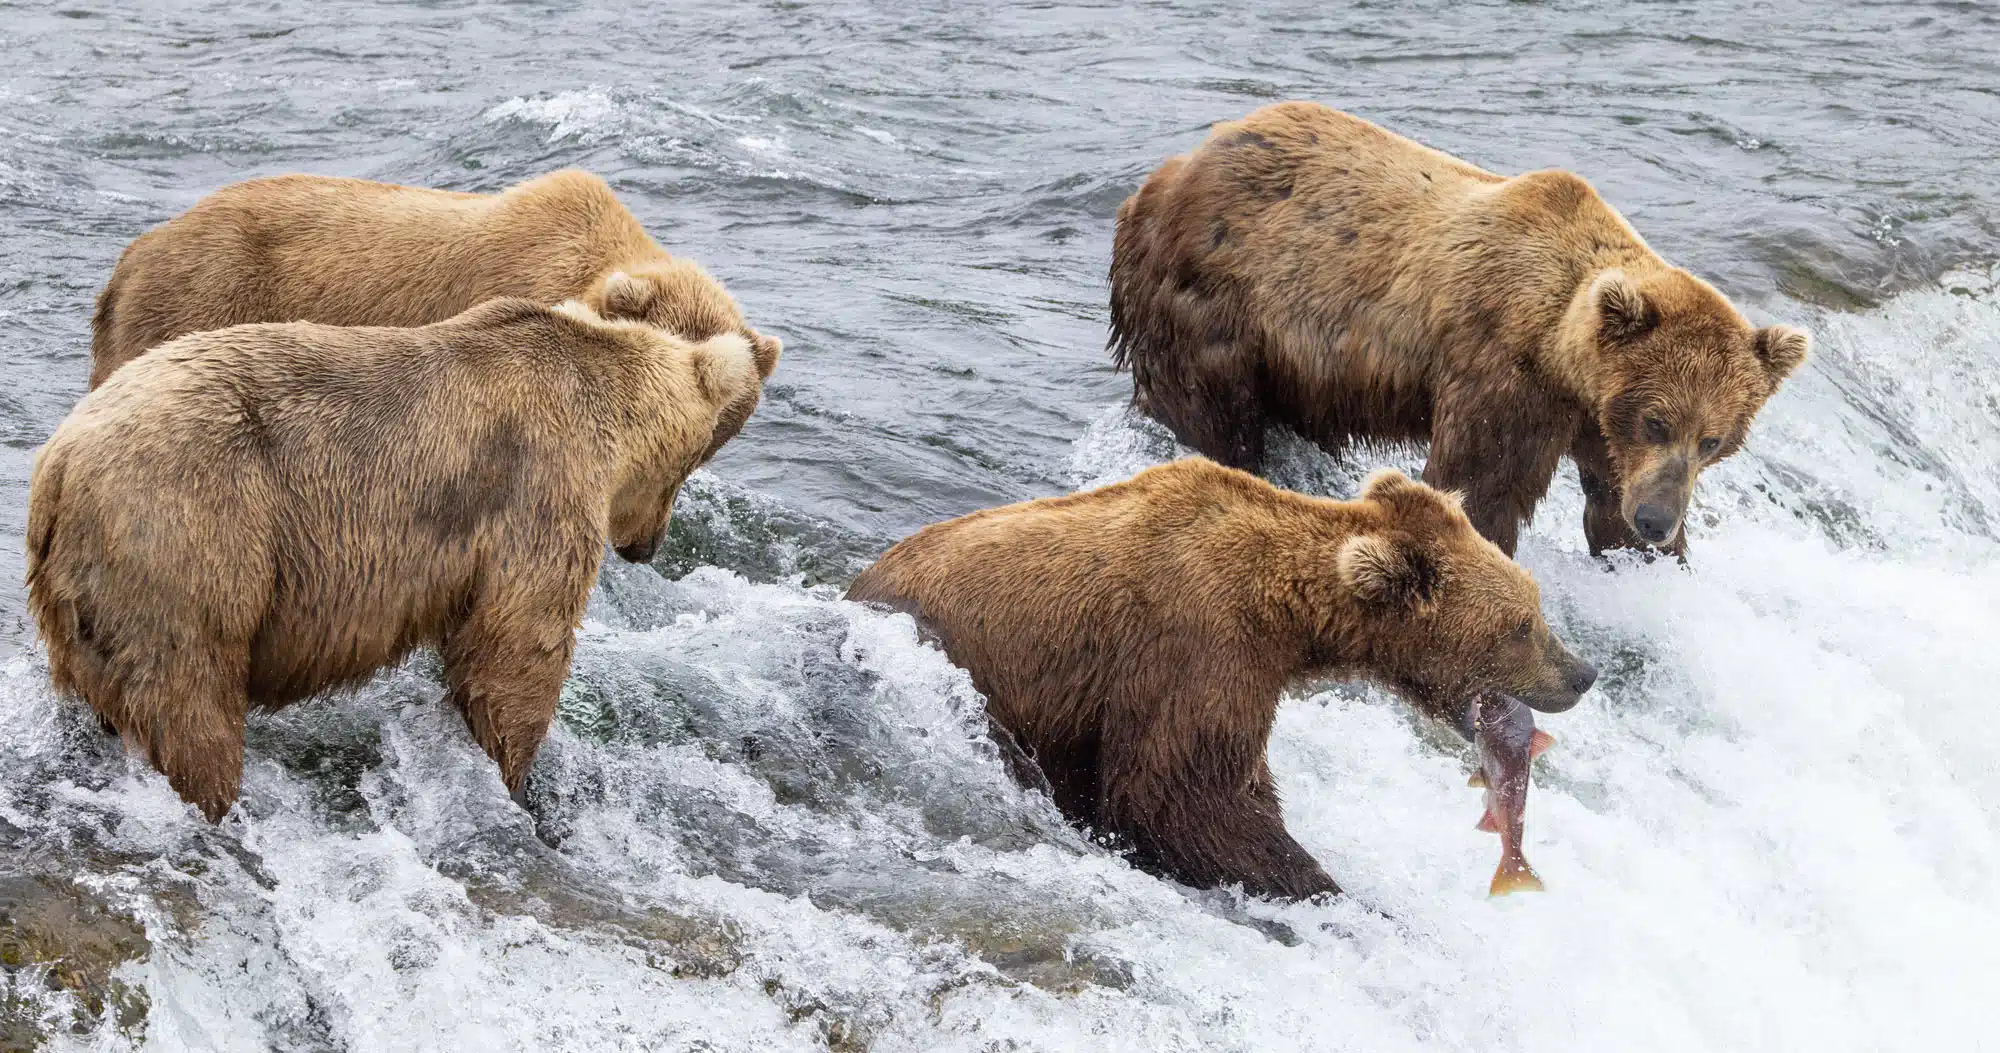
(1766,829)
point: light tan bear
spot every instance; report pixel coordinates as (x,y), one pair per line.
(1307,268)
(1134,640)
(353,252)
(255,515)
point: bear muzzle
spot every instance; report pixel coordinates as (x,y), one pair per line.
(1657,502)
(1574,677)
(640,551)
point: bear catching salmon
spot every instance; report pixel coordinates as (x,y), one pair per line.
(1133,644)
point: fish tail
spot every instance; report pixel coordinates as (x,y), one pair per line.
(1514,875)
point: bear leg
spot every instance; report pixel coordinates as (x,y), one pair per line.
(203,759)
(1196,803)
(1500,454)
(189,724)
(1067,772)
(1213,839)
(505,681)
(1220,417)
(1604,525)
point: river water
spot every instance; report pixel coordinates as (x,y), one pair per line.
(1774,825)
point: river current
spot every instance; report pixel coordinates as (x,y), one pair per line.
(1775,824)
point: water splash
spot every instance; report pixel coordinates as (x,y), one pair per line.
(779,823)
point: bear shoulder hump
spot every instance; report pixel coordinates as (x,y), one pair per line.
(1552,191)
(569,185)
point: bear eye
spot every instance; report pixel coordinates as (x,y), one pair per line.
(1656,430)
(1524,630)
(1709,446)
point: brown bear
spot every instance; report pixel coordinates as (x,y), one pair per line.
(1307,268)
(353,252)
(255,515)
(1134,641)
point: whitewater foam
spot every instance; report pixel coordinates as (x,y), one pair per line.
(588,116)
(780,825)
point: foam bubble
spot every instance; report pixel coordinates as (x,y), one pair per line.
(587,116)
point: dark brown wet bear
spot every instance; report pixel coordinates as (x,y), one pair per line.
(256,515)
(305,248)
(1307,268)
(1134,642)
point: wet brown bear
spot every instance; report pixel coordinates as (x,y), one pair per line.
(1134,642)
(1307,268)
(354,252)
(255,515)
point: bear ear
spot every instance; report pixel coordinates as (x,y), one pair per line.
(626,297)
(726,367)
(1622,311)
(1390,486)
(1781,349)
(1387,573)
(766,350)
(1385,484)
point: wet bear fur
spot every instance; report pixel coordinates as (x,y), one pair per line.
(1307,268)
(354,252)
(252,516)
(1134,641)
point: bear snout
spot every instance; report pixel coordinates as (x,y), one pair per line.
(1582,677)
(1656,521)
(640,551)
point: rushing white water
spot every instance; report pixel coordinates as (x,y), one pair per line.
(776,821)
(1774,825)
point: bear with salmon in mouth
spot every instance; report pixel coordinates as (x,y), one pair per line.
(1134,642)
(1304,267)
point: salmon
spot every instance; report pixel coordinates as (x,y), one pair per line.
(1504,733)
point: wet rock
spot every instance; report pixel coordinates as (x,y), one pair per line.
(533,881)
(60,946)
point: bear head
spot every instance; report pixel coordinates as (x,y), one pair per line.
(682,298)
(1444,615)
(712,378)
(1682,376)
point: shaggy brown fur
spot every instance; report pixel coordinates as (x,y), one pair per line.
(1307,268)
(353,252)
(255,515)
(1134,641)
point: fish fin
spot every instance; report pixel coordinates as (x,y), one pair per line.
(1478,780)
(1487,824)
(1519,877)
(1539,743)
